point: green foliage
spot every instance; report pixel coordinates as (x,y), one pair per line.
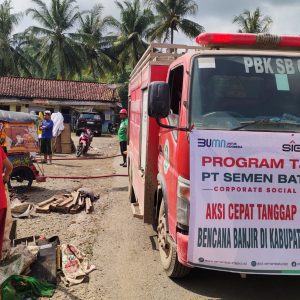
(121,78)
(131,30)
(59,51)
(171,17)
(69,44)
(97,45)
(13,60)
(253,22)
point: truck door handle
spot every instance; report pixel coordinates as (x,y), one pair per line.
(160,149)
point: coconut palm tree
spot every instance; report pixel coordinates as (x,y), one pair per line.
(59,52)
(132,30)
(13,60)
(253,22)
(97,45)
(171,16)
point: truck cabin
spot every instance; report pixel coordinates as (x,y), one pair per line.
(244,82)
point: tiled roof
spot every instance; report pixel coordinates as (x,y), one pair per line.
(31,88)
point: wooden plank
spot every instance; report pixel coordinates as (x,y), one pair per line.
(42,210)
(81,201)
(53,205)
(45,206)
(65,202)
(43,203)
(61,207)
(75,209)
(71,204)
(88,205)
(75,196)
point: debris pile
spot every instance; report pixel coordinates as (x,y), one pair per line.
(71,203)
(34,264)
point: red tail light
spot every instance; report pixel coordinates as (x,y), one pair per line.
(248,39)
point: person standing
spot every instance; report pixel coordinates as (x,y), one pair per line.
(40,121)
(46,147)
(6,169)
(122,135)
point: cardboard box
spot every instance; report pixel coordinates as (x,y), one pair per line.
(56,144)
(66,134)
(66,148)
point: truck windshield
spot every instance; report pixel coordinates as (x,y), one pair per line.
(246,93)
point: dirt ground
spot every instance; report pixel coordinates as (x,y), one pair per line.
(124,249)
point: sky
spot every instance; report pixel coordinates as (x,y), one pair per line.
(214,15)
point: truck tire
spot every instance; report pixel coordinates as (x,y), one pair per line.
(21,178)
(167,251)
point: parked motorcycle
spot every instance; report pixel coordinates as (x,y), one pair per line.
(85,141)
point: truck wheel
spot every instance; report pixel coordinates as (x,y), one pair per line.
(167,251)
(79,150)
(20,179)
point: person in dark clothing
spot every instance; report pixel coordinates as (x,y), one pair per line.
(47,127)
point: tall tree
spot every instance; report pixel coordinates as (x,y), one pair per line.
(13,60)
(171,17)
(59,52)
(132,30)
(253,22)
(96,43)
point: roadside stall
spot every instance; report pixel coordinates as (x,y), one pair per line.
(18,137)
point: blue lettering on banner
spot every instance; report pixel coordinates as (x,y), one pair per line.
(217,143)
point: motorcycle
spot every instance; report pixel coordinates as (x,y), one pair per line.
(85,141)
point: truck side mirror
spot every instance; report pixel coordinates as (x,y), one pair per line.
(158,100)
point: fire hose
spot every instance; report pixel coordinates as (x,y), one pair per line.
(43,177)
(81,158)
(82,177)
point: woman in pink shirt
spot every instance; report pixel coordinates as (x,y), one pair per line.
(6,168)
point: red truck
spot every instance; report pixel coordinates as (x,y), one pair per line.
(213,152)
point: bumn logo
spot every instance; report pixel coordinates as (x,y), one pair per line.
(212,143)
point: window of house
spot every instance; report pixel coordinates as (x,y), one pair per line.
(18,108)
(65,111)
(4,107)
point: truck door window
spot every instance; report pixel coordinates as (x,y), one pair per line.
(175,83)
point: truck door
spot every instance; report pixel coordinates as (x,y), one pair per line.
(144,129)
(170,144)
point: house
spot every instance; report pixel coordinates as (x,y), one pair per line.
(68,97)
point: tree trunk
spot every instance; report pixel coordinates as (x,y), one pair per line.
(172,35)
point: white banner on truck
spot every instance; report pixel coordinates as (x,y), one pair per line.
(245,201)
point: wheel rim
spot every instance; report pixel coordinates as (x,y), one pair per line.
(79,150)
(165,249)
